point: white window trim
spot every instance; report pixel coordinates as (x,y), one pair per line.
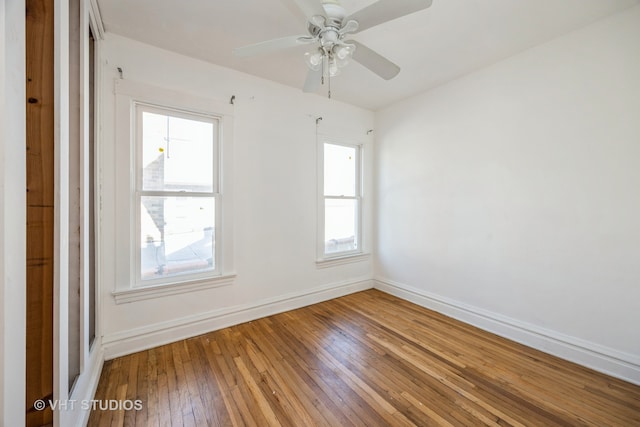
(156,291)
(139,108)
(341,260)
(127,287)
(346,257)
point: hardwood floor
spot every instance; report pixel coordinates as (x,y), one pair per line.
(365,359)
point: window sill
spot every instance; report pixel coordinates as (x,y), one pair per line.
(157,291)
(340,260)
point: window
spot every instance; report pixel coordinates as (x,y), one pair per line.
(341,209)
(173,178)
(177,193)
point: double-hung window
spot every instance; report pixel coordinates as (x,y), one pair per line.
(177,197)
(173,192)
(341,199)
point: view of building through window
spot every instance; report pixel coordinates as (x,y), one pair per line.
(177,189)
(341,192)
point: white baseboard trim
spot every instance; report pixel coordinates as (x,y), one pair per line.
(85,388)
(131,341)
(603,359)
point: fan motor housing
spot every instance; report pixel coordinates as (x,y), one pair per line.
(335,13)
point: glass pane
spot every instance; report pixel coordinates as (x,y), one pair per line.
(339,170)
(340,225)
(177,153)
(177,236)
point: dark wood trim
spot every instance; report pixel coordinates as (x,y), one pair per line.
(40,207)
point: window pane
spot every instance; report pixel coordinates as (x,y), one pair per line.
(177,236)
(177,153)
(340,225)
(339,170)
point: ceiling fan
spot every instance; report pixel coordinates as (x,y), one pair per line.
(328,26)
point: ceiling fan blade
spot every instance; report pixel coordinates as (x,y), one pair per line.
(313,81)
(374,61)
(310,8)
(386,10)
(270,46)
(292,6)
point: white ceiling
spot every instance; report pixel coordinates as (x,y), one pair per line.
(450,39)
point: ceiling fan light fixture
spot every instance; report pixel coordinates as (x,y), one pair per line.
(314,59)
(343,51)
(334,69)
(341,63)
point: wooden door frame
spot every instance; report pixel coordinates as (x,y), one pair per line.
(13,216)
(60,226)
(42,204)
(61,220)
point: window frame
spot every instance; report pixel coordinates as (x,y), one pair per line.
(139,108)
(127,288)
(324,258)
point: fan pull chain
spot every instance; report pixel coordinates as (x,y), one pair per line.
(328,71)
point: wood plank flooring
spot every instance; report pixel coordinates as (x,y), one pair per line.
(367,359)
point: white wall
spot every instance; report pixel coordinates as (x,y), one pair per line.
(274,180)
(510,198)
(12,213)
